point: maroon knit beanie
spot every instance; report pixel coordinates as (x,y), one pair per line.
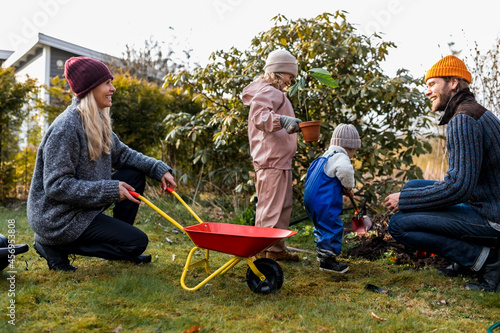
(84,74)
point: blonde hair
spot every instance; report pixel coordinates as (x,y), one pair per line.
(275,79)
(97,126)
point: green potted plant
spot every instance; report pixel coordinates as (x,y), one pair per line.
(310,129)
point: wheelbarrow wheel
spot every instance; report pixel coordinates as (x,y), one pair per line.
(273,273)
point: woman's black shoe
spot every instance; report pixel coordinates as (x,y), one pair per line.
(141,259)
(56,260)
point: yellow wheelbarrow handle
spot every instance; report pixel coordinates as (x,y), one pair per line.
(171,191)
(150,204)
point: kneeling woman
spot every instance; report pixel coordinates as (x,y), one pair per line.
(73,182)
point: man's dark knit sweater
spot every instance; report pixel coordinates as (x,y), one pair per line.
(68,189)
(473,177)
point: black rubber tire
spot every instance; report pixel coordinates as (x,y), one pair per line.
(273,273)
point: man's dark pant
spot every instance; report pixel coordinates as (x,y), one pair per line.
(446,231)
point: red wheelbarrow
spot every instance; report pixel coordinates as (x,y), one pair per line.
(264,276)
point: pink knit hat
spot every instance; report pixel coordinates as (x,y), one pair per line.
(84,74)
(281,61)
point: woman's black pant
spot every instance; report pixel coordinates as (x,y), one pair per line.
(114,238)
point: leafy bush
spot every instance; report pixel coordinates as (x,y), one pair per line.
(390,113)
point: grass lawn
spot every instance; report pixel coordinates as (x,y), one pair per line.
(106,296)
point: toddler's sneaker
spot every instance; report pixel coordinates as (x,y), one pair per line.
(332,265)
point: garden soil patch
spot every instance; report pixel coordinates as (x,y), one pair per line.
(379,243)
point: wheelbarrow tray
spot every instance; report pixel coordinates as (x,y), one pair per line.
(239,240)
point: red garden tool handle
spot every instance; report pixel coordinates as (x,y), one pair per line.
(134,194)
(168,189)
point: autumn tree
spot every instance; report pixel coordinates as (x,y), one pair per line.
(59,100)
(14,97)
(485,69)
(138,111)
(26,157)
(152,62)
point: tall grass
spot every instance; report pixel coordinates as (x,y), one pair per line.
(434,164)
(110,296)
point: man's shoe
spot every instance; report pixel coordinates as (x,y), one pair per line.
(282,256)
(332,265)
(489,277)
(56,260)
(141,259)
(456,270)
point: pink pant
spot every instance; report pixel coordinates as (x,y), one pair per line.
(275,200)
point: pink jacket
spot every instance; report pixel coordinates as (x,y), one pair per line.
(270,145)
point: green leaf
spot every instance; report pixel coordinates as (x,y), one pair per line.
(302,83)
(294,89)
(324,77)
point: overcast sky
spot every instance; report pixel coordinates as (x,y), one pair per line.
(421,29)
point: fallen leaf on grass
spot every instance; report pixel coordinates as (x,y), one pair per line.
(374,316)
(439,303)
(117,329)
(193,329)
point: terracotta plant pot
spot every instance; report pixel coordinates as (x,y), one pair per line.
(310,130)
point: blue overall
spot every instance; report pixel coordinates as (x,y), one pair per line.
(323,203)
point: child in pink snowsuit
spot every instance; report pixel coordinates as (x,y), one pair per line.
(272,129)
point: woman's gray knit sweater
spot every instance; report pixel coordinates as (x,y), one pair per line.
(68,189)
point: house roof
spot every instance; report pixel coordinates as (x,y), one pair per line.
(19,58)
(4,54)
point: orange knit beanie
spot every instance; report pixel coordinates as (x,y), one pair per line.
(449,66)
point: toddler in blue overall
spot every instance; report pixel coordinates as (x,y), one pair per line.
(327,178)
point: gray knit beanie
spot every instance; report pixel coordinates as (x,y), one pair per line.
(281,61)
(346,136)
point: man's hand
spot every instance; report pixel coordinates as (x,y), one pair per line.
(392,202)
(290,124)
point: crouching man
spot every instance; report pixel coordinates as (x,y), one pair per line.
(459,217)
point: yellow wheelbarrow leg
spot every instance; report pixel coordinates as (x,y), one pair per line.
(205,260)
(264,276)
(233,261)
(255,270)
